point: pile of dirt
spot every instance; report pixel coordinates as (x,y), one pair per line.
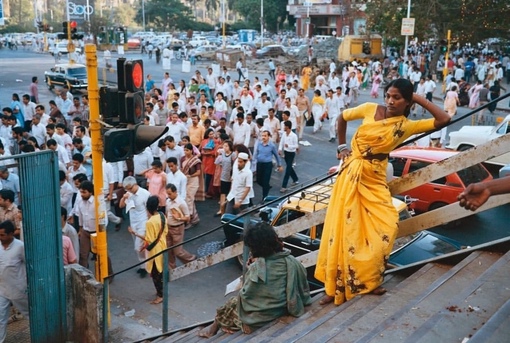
(260,65)
(327,49)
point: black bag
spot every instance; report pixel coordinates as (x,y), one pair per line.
(310,121)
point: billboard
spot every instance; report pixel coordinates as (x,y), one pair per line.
(79,10)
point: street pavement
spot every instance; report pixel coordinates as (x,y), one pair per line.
(193,298)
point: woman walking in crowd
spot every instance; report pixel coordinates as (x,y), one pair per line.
(377,79)
(191,167)
(306,72)
(183,91)
(495,92)
(451,101)
(155,232)
(361,223)
(156,181)
(474,95)
(208,151)
(318,109)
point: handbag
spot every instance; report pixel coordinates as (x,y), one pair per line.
(150,246)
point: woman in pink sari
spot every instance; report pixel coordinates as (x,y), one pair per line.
(376,82)
(474,94)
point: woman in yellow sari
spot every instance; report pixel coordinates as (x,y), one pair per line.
(306,72)
(361,223)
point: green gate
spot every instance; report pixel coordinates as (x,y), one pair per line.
(40,202)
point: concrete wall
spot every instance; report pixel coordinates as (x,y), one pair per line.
(84,296)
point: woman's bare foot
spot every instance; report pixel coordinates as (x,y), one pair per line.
(326,300)
(379,291)
(247,329)
(227,330)
(209,331)
(156,301)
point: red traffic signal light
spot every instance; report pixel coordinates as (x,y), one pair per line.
(73,25)
(133,75)
(121,144)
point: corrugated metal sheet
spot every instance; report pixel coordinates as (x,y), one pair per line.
(40,201)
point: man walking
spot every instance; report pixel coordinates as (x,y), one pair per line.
(13,288)
(242,182)
(272,69)
(288,147)
(264,152)
(177,215)
(135,201)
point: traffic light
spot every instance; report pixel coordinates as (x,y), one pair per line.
(131,95)
(133,76)
(121,144)
(39,25)
(65,31)
(109,105)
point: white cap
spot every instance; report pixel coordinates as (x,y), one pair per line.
(243,156)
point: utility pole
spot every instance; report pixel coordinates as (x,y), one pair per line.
(262,23)
(446,55)
(97,164)
(407,36)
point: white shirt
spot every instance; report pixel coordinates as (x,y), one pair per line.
(292,94)
(334,82)
(179,180)
(39,132)
(211,80)
(247,103)
(241,133)
(430,86)
(294,113)
(176,130)
(263,108)
(66,196)
(142,161)
(239,65)
(28,110)
(341,100)
(333,107)
(13,283)
(241,180)
(86,212)
(135,206)
(291,140)
(63,155)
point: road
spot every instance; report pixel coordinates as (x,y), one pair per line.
(195,298)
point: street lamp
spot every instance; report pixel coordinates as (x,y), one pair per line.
(407,37)
(261,23)
(143,15)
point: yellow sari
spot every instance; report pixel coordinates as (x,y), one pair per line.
(361,223)
(305,78)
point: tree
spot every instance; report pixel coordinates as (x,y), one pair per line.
(165,15)
(275,12)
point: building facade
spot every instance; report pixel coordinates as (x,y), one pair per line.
(328,17)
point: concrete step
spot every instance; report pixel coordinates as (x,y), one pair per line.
(182,336)
(496,327)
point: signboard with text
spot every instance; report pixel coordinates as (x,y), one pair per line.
(407,28)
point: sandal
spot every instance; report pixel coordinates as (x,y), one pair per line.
(326,300)
(156,301)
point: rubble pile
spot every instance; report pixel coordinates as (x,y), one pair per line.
(327,49)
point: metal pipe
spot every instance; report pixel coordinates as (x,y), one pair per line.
(261,23)
(165,290)
(407,37)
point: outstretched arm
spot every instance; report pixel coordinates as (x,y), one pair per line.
(476,194)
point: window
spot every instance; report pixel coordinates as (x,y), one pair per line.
(473,174)
(288,215)
(398,166)
(416,165)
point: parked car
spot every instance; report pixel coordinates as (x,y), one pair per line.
(205,52)
(61,48)
(316,198)
(270,51)
(198,41)
(294,50)
(470,136)
(73,75)
(442,191)
(134,43)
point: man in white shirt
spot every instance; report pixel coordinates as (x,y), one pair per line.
(175,176)
(135,201)
(287,149)
(263,106)
(222,87)
(172,150)
(272,124)
(28,109)
(291,93)
(63,155)
(38,130)
(211,80)
(269,90)
(153,116)
(332,111)
(242,183)
(142,162)
(247,100)
(294,117)
(430,87)
(241,131)
(236,91)
(176,129)
(254,134)
(333,81)
(239,68)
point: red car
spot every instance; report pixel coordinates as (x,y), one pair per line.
(439,192)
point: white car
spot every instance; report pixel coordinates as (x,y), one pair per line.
(198,41)
(61,48)
(470,136)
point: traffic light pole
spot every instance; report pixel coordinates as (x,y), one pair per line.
(445,69)
(97,163)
